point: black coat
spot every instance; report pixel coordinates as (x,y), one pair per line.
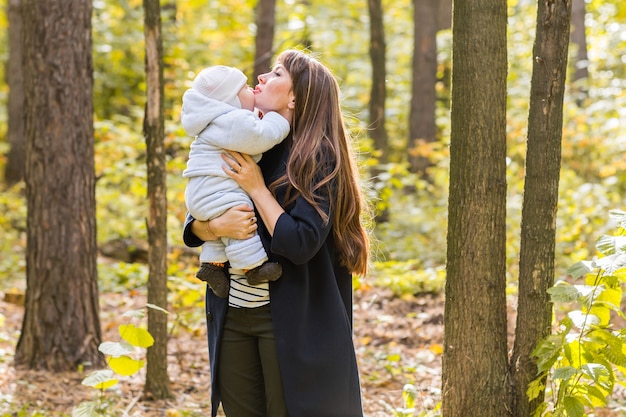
(311,310)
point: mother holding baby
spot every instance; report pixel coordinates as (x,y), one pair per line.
(284,348)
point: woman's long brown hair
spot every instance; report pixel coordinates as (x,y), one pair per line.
(321,163)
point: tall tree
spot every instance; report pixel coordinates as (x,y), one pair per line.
(475,363)
(422,121)
(16,159)
(61,327)
(444,16)
(579,38)
(157,380)
(378,93)
(541,189)
(264,40)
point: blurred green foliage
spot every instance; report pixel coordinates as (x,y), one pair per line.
(409,249)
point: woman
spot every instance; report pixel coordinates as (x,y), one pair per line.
(289,351)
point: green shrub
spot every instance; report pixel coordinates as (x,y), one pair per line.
(585,357)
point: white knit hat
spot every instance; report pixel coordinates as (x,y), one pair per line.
(221,83)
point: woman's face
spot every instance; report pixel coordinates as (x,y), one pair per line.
(273,93)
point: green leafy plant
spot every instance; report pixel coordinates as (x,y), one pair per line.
(121,358)
(580,363)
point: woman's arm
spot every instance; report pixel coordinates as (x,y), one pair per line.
(297,235)
(268,208)
(189,237)
(238,222)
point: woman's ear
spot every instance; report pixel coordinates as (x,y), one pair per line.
(292,104)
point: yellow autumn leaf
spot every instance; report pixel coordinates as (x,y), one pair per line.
(602,313)
(136,336)
(125,365)
(436,348)
(101,379)
(106,384)
(366,340)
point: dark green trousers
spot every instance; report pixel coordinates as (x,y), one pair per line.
(248,374)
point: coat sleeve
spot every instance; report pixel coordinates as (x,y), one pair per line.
(251,135)
(189,238)
(300,233)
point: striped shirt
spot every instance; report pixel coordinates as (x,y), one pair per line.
(243,295)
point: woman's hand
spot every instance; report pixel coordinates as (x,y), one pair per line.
(238,222)
(246,172)
(242,168)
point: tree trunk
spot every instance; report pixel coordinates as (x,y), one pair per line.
(61,327)
(422,126)
(475,366)
(444,14)
(541,189)
(378,93)
(16,158)
(265,24)
(579,38)
(157,379)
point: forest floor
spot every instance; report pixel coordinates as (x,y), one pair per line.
(398,341)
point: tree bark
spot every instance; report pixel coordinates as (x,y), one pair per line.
(16,158)
(475,365)
(378,93)
(157,380)
(264,40)
(61,327)
(422,120)
(580,77)
(541,189)
(444,14)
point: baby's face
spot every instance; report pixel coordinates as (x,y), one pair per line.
(246,98)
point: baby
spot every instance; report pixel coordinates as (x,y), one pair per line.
(219,112)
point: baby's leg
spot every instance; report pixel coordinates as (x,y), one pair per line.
(249,255)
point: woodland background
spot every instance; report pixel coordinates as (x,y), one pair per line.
(410,247)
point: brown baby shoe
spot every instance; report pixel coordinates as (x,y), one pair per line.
(215,277)
(269,271)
